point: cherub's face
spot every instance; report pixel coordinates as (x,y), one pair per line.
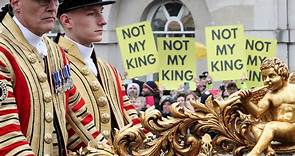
(271,78)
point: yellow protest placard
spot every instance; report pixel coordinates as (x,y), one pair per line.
(257,49)
(138,49)
(177,62)
(225,55)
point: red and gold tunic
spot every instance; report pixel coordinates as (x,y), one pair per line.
(103,94)
(34,117)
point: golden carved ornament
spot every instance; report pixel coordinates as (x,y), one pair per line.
(172,135)
(185,133)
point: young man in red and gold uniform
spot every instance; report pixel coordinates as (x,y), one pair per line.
(99,82)
(41,113)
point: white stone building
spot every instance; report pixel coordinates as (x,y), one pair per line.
(261,18)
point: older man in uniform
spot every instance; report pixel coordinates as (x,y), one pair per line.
(99,82)
(40,111)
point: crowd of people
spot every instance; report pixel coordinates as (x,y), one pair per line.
(148,94)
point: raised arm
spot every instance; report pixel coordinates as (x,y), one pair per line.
(255,109)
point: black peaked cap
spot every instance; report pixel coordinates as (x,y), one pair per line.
(68,5)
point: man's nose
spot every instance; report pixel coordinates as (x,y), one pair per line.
(53,4)
(101,20)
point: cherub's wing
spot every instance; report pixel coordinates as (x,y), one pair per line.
(292,77)
(258,94)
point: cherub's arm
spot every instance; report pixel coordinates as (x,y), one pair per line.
(255,109)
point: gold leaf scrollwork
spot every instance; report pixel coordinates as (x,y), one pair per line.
(173,137)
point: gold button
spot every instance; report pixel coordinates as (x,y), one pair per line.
(106,133)
(48,138)
(47,97)
(42,77)
(32,58)
(48,117)
(105,118)
(94,85)
(85,71)
(102,101)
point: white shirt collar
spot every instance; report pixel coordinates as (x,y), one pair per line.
(84,51)
(32,38)
(86,55)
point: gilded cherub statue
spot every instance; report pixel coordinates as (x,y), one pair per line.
(278,103)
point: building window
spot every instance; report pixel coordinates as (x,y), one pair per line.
(170,19)
(173,19)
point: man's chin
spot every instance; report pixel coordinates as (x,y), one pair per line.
(97,39)
(47,28)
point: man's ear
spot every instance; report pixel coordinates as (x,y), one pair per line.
(65,21)
(15,4)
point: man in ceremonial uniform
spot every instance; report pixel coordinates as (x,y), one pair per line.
(99,83)
(41,113)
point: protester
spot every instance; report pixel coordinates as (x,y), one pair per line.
(37,94)
(139,104)
(165,105)
(231,88)
(137,101)
(223,92)
(127,81)
(133,90)
(180,98)
(205,79)
(203,85)
(151,93)
(190,98)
